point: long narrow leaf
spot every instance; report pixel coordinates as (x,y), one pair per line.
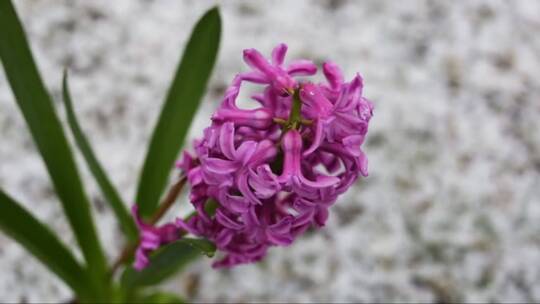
(108,190)
(180,105)
(166,262)
(37,109)
(41,242)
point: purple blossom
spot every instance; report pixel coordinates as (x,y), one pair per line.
(151,238)
(274,73)
(274,171)
(292,175)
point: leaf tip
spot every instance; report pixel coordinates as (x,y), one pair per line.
(213,13)
(214,10)
(64,76)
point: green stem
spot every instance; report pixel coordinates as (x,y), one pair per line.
(295,117)
(130,248)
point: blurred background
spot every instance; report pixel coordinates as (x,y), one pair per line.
(451,209)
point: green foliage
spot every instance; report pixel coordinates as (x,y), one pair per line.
(37,109)
(108,190)
(93,281)
(185,93)
(166,262)
(41,242)
(162,298)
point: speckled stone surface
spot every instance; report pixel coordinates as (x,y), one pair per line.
(451,209)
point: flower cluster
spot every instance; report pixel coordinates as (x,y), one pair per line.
(263,176)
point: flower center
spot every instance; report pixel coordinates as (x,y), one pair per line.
(295,116)
(295,119)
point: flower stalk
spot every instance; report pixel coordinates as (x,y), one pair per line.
(129,249)
(295,117)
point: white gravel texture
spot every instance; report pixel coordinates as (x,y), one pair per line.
(451,209)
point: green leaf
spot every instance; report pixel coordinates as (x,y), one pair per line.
(161,298)
(38,111)
(166,262)
(41,242)
(204,246)
(108,190)
(180,105)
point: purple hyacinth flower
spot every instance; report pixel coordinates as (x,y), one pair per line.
(274,171)
(151,238)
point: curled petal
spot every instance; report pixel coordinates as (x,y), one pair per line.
(318,211)
(168,233)
(233,259)
(256,60)
(333,74)
(330,161)
(318,105)
(198,194)
(321,182)
(224,237)
(141,259)
(279,239)
(304,218)
(283,83)
(280,233)
(253,251)
(187,162)
(226,140)
(278,78)
(269,99)
(363,163)
(266,151)
(180,223)
(227,221)
(255,77)
(151,238)
(245,190)
(365,109)
(250,218)
(263,181)
(220,166)
(302,68)
(213,179)
(328,196)
(317,139)
(195,176)
(136,216)
(352,144)
(258,118)
(211,137)
(356,85)
(302,205)
(321,216)
(235,203)
(278,54)
(351,121)
(246,151)
(283,226)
